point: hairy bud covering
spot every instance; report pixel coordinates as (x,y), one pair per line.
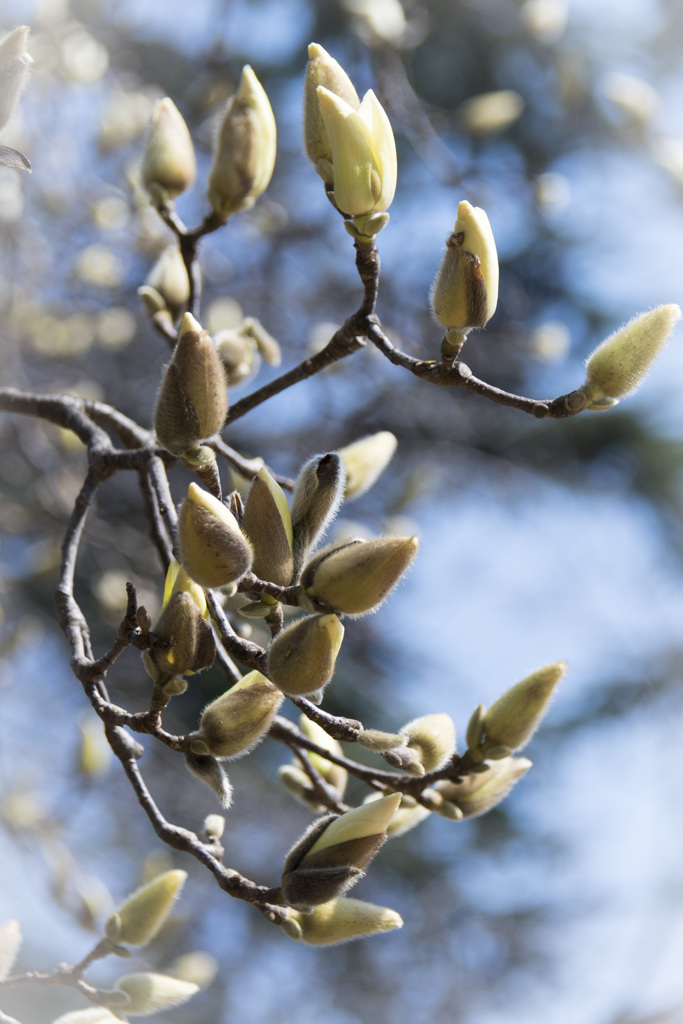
(512,720)
(342,920)
(267,523)
(233,724)
(465,292)
(302,657)
(213,550)
(318,492)
(192,402)
(355,576)
(480,792)
(138,920)
(149,993)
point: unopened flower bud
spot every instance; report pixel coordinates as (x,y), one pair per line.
(10,943)
(192,402)
(363,153)
(149,993)
(342,920)
(296,781)
(244,156)
(512,720)
(301,658)
(333,774)
(233,724)
(331,855)
(475,728)
(168,164)
(491,112)
(433,739)
(407,759)
(138,920)
(210,771)
(267,523)
(322,69)
(408,815)
(479,792)
(193,647)
(318,492)
(213,550)
(214,826)
(169,278)
(156,309)
(620,363)
(465,292)
(365,460)
(354,577)
(15,64)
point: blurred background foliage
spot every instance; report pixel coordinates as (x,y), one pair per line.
(540,540)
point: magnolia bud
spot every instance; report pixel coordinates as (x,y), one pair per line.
(512,720)
(10,942)
(317,495)
(192,402)
(214,826)
(433,739)
(479,792)
(296,781)
(341,920)
(138,920)
(233,724)
(619,364)
(168,164)
(465,292)
(333,774)
(363,153)
(375,739)
(168,277)
(408,814)
(365,460)
(323,70)
(210,771)
(213,550)
(354,577)
(331,855)
(267,523)
(244,156)
(193,646)
(15,64)
(491,111)
(149,993)
(475,728)
(301,658)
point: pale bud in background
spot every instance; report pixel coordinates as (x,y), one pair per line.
(10,943)
(15,65)
(244,156)
(480,792)
(365,460)
(491,112)
(149,993)
(140,917)
(169,166)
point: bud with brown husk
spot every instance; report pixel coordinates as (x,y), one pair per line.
(355,576)
(192,402)
(267,523)
(331,855)
(297,782)
(342,920)
(302,657)
(168,277)
(480,792)
(318,492)
(169,166)
(234,723)
(138,920)
(209,770)
(213,550)
(244,156)
(183,624)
